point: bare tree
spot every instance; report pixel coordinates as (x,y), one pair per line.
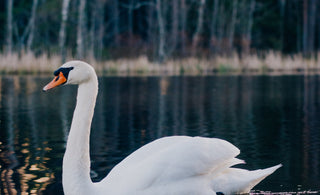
(305,27)
(9,26)
(309,16)
(282,4)
(80,29)
(312,24)
(161,28)
(32,24)
(221,26)
(130,20)
(246,38)
(250,20)
(213,26)
(100,27)
(96,30)
(232,25)
(152,39)
(183,24)
(161,53)
(115,26)
(297,15)
(318,29)
(196,35)
(174,27)
(62,32)
(92,31)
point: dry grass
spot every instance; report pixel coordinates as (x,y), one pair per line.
(28,63)
(271,62)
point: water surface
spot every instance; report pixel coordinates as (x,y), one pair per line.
(272,119)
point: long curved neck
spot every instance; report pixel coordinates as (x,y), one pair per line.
(76,162)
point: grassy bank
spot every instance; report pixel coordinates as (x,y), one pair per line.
(270,62)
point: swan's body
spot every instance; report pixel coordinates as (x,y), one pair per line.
(171,165)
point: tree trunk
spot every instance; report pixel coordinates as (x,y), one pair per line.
(282,4)
(100,28)
(312,25)
(246,38)
(299,20)
(152,39)
(115,12)
(250,19)
(174,26)
(196,36)
(62,32)
(221,27)
(32,25)
(130,22)
(80,29)
(305,27)
(161,53)
(9,27)
(183,36)
(318,29)
(92,31)
(213,27)
(232,25)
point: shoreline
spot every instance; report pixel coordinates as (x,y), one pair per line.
(271,64)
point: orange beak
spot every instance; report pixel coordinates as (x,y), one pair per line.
(58,80)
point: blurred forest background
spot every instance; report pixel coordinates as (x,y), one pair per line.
(163,30)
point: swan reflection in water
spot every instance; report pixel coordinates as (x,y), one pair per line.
(262,115)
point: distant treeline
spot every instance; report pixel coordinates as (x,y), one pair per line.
(159,29)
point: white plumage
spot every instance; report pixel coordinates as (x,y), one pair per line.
(177,165)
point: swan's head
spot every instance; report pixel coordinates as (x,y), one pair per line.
(72,72)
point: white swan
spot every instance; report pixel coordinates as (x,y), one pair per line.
(170,165)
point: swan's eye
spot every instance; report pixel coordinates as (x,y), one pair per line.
(65,71)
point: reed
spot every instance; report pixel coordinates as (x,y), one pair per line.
(269,62)
(28,63)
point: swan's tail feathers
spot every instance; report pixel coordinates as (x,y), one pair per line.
(260,174)
(270,170)
(240,181)
(256,176)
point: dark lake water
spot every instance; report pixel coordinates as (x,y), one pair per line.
(272,119)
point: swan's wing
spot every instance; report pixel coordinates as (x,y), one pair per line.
(171,159)
(240,181)
(147,151)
